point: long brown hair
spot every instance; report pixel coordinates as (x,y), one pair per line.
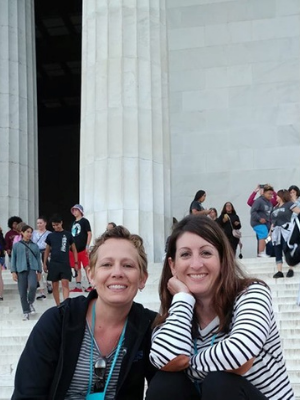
(284,195)
(231,281)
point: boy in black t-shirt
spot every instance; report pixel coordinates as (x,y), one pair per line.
(58,244)
(82,235)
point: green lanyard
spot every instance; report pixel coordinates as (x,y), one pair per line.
(92,353)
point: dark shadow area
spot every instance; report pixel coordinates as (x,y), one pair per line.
(58,54)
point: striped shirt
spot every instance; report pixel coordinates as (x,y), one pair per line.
(80,382)
(252,333)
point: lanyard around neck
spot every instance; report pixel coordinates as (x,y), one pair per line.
(196,383)
(92,352)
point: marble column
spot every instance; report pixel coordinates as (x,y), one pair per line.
(18,119)
(125,140)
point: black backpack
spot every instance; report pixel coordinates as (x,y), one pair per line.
(292,248)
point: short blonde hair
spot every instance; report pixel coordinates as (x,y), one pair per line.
(119,232)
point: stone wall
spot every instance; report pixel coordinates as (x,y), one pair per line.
(234,100)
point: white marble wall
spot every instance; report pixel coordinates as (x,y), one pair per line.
(234,100)
(18,128)
(125,143)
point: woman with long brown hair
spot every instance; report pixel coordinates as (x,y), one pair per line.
(214,320)
(229,221)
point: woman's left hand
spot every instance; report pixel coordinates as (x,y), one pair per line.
(176,286)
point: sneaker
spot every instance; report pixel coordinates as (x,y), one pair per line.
(278,274)
(32,309)
(89,289)
(263,255)
(1,298)
(25,317)
(76,290)
(41,297)
(49,288)
(290,273)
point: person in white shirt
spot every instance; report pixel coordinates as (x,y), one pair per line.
(39,236)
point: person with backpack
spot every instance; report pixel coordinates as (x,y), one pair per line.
(281,227)
(26,267)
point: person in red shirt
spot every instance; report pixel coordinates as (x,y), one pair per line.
(259,189)
(9,237)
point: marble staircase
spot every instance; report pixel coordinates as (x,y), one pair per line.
(14,331)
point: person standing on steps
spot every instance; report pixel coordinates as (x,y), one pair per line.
(196,207)
(25,267)
(229,220)
(19,236)
(39,237)
(9,236)
(281,224)
(260,218)
(59,243)
(295,197)
(82,235)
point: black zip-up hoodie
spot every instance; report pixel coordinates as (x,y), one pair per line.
(48,362)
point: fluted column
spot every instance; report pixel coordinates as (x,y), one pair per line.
(18,120)
(125,150)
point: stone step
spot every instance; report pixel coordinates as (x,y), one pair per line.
(14,332)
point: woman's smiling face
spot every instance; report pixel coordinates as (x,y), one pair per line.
(197,265)
(117,275)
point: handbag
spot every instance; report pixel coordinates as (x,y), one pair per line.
(235,232)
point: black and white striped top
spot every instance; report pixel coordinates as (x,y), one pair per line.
(253,333)
(80,382)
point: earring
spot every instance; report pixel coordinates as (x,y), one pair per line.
(141,289)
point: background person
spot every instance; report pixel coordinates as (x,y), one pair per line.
(213,213)
(82,234)
(2,262)
(106,318)
(260,218)
(295,197)
(59,243)
(25,266)
(229,220)
(214,320)
(196,207)
(259,190)
(281,224)
(19,236)
(9,236)
(110,225)
(1,282)
(39,237)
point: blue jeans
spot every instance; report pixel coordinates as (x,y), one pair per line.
(27,284)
